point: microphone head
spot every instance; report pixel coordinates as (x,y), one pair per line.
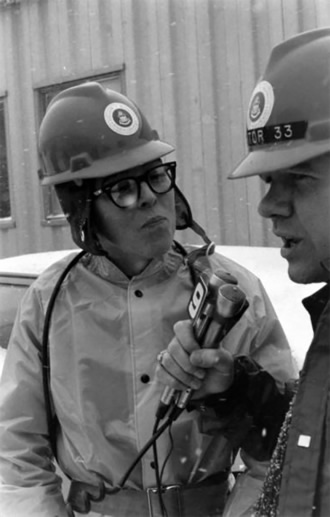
(230,300)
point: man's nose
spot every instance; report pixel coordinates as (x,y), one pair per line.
(276,202)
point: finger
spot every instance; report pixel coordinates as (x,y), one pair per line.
(177,354)
(182,346)
(180,368)
(185,335)
(170,373)
(168,379)
(219,365)
(220,359)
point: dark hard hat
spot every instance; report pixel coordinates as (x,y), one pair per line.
(89,131)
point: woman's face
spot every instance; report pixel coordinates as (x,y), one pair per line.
(135,235)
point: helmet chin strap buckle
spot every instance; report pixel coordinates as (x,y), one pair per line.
(210,249)
(184,219)
(199,230)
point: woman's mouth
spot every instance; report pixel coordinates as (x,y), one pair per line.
(153,221)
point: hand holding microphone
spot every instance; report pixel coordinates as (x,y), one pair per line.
(217,303)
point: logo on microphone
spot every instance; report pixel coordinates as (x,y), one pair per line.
(197,299)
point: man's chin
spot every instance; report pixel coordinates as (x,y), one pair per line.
(304,275)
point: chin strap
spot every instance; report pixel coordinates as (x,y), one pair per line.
(201,232)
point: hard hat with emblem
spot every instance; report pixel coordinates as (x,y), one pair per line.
(288,120)
(90,131)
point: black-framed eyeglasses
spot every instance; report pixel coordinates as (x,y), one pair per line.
(126,192)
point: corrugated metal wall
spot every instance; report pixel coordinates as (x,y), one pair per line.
(190,65)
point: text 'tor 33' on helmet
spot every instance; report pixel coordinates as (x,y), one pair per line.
(90,131)
(288,120)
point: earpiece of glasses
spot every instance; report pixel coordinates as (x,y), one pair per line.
(126,192)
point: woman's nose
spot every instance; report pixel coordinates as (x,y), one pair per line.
(147,196)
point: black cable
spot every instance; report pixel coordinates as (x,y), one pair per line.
(157,473)
(141,454)
(169,452)
(51,420)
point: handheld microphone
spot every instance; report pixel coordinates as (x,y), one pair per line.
(216,304)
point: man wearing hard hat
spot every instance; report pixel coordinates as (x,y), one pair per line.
(288,134)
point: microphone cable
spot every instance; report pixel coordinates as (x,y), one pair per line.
(173,414)
(158,474)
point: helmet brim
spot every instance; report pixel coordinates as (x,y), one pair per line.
(278,157)
(112,164)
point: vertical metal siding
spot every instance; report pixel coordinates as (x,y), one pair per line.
(191,66)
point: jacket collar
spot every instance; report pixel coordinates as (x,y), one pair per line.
(160,268)
(315,304)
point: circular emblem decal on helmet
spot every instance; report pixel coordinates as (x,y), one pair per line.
(121,119)
(261,105)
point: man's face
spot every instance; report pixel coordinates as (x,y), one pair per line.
(298,203)
(135,235)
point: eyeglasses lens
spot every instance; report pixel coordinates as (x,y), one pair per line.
(125,193)
(160,179)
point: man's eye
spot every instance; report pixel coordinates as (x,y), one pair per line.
(266,178)
(303,178)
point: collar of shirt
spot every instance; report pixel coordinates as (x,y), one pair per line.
(315,304)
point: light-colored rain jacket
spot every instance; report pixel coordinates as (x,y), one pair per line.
(105,334)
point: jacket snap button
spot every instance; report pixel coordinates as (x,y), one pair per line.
(138,293)
(145,378)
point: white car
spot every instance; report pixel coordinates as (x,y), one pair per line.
(17,273)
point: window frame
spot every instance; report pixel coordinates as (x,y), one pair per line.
(7,221)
